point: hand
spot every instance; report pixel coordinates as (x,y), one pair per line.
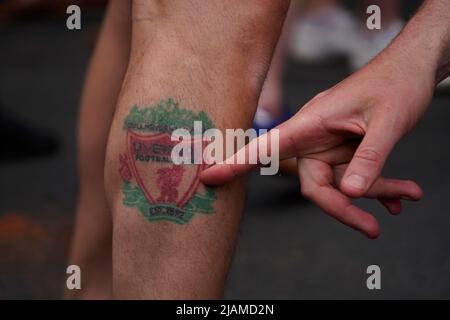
(343,137)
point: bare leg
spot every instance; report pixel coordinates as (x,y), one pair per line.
(210,57)
(92,241)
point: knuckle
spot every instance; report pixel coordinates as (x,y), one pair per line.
(321,95)
(369,154)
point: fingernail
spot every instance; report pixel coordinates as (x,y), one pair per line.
(407,198)
(356,182)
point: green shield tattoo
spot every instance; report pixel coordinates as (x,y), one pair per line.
(158,188)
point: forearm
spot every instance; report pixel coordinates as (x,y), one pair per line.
(425,41)
(434,17)
(210,58)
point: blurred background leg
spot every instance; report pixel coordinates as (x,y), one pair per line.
(91,247)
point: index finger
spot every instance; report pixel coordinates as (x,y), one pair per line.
(274,144)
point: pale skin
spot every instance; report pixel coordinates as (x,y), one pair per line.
(376,106)
(198,53)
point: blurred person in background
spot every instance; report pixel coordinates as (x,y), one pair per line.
(325,29)
(317,31)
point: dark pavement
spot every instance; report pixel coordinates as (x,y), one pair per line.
(287,247)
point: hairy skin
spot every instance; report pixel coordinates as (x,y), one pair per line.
(211,57)
(343,136)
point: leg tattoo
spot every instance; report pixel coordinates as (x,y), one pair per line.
(160,189)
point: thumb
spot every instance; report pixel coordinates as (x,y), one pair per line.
(368,160)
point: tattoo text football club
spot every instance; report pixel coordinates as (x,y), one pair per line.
(157,187)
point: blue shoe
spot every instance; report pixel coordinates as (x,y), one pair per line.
(263,120)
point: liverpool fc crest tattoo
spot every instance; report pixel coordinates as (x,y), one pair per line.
(152,183)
